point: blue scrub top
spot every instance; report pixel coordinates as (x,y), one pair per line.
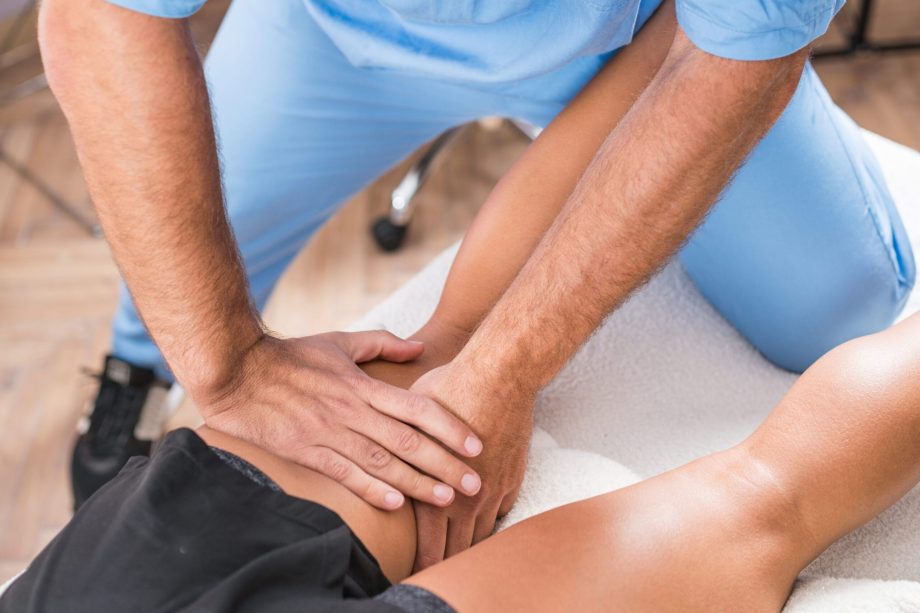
(507,40)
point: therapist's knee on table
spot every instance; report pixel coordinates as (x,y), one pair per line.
(796,312)
(813,329)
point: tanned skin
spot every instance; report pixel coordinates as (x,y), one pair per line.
(133,91)
(652,177)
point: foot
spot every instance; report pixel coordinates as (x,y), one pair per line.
(128,415)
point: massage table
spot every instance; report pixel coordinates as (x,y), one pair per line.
(666,380)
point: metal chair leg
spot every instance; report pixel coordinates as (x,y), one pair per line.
(390,230)
(528,129)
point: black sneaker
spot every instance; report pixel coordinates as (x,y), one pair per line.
(129,414)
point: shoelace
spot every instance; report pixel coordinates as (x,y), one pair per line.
(114,416)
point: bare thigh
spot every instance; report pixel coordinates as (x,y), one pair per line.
(729,531)
(688,540)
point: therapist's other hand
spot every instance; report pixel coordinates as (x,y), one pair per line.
(504,422)
(305,399)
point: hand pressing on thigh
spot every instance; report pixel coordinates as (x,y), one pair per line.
(306,400)
(504,423)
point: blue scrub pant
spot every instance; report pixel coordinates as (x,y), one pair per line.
(803,251)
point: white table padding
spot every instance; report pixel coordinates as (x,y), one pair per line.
(665,380)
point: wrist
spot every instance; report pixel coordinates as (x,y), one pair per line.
(215,371)
(483,400)
(493,373)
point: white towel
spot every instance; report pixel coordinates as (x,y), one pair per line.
(666,380)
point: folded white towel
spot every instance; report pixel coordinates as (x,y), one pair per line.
(666,380)
(826,595)
(557,476)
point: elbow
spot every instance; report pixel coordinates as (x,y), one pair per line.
(787,72)
(779,85)
(58,36)
(790,70)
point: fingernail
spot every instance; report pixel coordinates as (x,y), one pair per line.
(472,445)
(470,483)
(416,342)
(393,500)
(443,492)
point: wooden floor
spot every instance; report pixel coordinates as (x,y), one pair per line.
(58,285)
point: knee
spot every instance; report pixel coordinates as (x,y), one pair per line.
(676,526)
(882,366)
(836,310)
(849,308)
(796,313)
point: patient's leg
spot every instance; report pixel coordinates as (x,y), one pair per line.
(730,531)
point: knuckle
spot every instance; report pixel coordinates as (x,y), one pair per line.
(336,469)
(355,381)
(375,389)
(340,406)
(322,383)
(318,420)
(426,559)
(417,406)
(417,482)
(378,457)
(326,337)
(408,440)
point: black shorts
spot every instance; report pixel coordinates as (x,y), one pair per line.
(188,531)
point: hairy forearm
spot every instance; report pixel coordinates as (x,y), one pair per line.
(528,198)
(133,91)
(652,181)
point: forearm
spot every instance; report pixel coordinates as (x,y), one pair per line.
(653,179)
(134,94)
(133,90)
(523,205)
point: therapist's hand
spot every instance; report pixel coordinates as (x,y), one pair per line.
(503,420)
(306,400)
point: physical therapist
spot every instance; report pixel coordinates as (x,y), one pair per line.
(303,102)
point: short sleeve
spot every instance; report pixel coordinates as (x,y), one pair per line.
(162,8)
(755,29)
